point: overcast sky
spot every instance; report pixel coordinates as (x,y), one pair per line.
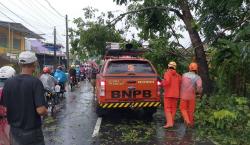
(38,16)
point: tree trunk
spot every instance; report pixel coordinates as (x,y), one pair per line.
(197,44)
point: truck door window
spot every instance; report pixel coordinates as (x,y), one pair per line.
(118,67)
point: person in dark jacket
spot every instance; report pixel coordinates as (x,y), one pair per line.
(23,96)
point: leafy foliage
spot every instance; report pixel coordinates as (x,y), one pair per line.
(224,119)
(222,15)
(91,35)
(162,52)
(231,62)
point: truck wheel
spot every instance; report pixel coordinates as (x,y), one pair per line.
(148,112)
(99,110)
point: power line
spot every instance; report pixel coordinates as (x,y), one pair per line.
(6,16)
(34,17)
(53,8)
(48,9)
(32,6)
(46,12)
(61,38)
(17,15)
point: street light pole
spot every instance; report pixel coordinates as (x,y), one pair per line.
(67,42)
(55,59)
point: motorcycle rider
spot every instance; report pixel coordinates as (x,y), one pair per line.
(78,73)
(5,73)
(82,72)
(94,72)
(72,73)
(61,77)
(48,81)
(89,72)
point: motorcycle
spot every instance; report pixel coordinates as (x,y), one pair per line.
(72,83)
(59,91)
(82,76)
(62,88)
(51,99)
(78,76)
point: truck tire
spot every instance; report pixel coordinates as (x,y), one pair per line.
(148,112)
(99,110)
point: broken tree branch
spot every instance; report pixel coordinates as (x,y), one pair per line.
(121,16)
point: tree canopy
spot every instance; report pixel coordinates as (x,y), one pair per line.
(90,37)
(209,19)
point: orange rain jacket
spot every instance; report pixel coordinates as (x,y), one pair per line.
(191,83)
(171,84)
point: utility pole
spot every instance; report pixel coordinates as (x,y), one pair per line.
(55,59)
(67,42)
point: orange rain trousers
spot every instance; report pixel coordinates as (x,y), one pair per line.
(187,108)
(170,105)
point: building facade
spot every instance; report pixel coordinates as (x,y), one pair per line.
(12,41)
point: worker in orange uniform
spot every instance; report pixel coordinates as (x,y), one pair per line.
(191,84)
(171,84)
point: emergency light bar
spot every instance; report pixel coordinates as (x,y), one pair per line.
(112,46)
(127,51)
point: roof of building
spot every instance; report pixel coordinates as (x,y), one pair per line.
(40,48)
(18,27)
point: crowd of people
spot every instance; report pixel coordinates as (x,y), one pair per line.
(21,124)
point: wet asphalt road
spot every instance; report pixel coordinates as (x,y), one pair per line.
(75,119)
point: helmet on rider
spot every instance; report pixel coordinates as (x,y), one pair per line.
(172,65)
(27,57)
(7,72)
(60,68)
(72,66)
(77,66)
(46,70)
(193,66)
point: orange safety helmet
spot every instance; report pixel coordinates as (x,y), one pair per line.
(46,70)
(193,66)
(172,64)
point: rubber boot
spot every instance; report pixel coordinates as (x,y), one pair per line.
(169,120)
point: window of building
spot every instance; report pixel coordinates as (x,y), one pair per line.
(3,40)
(16,43)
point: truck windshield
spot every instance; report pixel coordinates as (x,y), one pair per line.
(127,66)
